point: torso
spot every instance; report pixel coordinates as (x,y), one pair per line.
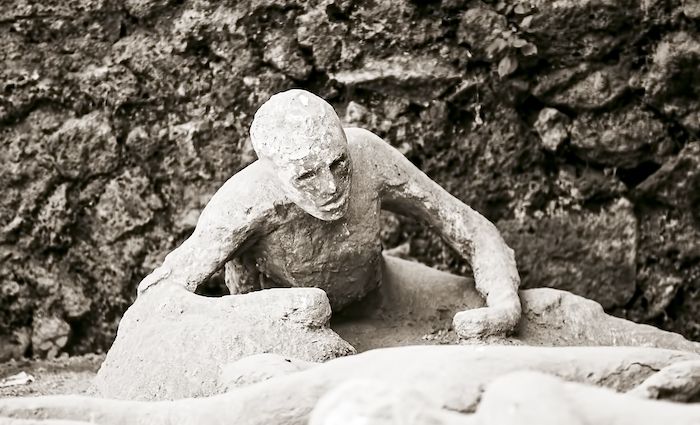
(342,257)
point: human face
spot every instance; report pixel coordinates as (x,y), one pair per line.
(319,181)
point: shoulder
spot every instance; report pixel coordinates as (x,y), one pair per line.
(248,180)
(376,151)
(250,192)
(255,174)
(362,138)
(367,146)
(388,167)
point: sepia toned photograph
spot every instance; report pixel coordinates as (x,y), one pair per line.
(350,212)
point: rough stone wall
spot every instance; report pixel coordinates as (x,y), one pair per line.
(572,124)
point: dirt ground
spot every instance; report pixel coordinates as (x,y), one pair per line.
(65,375)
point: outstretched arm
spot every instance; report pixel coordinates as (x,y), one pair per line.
(407,190)
(231,218)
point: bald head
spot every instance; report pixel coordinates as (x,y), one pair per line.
(302,138)
(293,123)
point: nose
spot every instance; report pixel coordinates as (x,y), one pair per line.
(327,182)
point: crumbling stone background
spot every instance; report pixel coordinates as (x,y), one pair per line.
(572,124)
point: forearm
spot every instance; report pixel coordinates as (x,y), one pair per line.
(479,242)
(405,189)
(242,206)
(188,265)
(493,262)
(184,267)
(469,233)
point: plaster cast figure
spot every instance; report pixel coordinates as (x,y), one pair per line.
(306,214)
(517,398)
(414,385)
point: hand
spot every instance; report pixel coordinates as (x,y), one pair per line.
(155,277)
(486,321)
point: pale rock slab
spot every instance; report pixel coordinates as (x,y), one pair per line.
(559,318)
(519,398)
(419,79)
(172,343)
(529,397)
(371,402)
(677,382)
(454,376)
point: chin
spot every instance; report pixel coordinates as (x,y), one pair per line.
(329,215)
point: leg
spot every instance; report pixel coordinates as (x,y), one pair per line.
(242,276)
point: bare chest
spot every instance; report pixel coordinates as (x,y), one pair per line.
(342,256)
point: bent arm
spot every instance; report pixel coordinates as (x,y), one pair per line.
(405,189)
(231,218)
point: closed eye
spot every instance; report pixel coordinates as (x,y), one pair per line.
(338,163)
(305,176)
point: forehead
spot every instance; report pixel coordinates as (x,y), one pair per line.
(304,149)
(317,155)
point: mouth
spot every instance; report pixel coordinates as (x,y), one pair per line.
(333,203)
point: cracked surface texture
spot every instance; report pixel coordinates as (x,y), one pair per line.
(119,120)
